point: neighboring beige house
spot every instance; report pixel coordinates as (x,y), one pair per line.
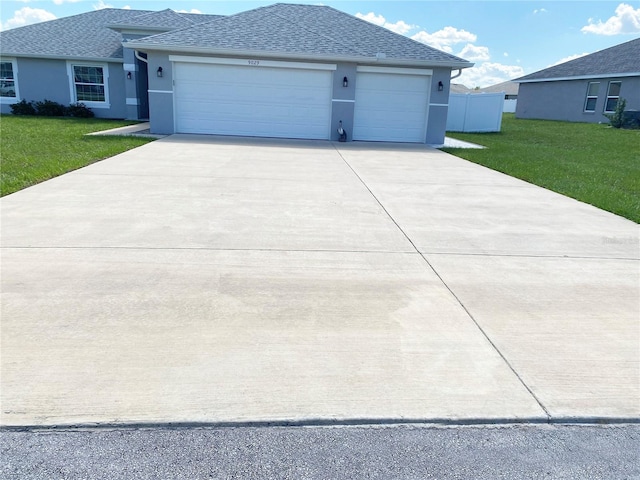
(509,88)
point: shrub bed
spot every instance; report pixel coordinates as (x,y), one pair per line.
(49,108)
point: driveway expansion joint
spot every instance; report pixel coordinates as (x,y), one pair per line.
(486,336)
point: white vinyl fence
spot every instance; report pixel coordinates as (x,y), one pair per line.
(478,112)
(510,106)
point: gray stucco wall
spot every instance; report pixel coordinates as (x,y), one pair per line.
(438,106)
(135,87)
(343,100)
(130,66)
(565,100)
(160,94)
(117,94)
(40,79)
(30,76)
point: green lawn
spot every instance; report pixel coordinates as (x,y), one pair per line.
(593,163)
(34,149)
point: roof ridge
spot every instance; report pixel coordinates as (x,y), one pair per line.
(181,15)
(175,30)
(358,51)
(147,13)
(369,24)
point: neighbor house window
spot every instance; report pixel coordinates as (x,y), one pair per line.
(613,94)
(89,84)
(592,97)
(8,80)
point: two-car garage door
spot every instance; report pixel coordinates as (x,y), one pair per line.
(261,98)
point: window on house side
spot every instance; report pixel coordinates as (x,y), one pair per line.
(7,81)
(613,94)
(89,83)
(592,97)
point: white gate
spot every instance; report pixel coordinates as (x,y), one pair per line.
(479,112)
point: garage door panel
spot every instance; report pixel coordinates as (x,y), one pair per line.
(391,107)
(239,100)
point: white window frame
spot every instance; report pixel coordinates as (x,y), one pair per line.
(609,96)
(72,84)
(591,97)
(14,68)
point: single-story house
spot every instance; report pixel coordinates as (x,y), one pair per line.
(291,71)
(509,88)
(459,88)
(584,89)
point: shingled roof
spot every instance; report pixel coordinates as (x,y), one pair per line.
(78,36)
(87,35)
(304,31)
(164,20)
(509,88)
(619,60)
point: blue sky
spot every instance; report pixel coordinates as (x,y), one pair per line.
(505,39)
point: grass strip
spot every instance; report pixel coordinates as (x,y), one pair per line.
(35,149)
(593,163)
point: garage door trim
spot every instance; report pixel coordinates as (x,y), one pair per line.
(250,62)
(397,71)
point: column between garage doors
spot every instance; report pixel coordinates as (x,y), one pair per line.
(391,104)
(252,97)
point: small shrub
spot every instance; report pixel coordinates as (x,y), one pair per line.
(49,108)
(616,119)
(631,119)
(79,110)
(23,108)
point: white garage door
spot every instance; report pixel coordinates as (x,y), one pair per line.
(253,99)
(391,107)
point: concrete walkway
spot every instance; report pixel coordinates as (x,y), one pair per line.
(218,280)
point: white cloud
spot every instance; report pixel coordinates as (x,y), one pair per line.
(372,18)
(445,38)
(488,74)
(626,20)
(569,58)
(539,10)
(27,16)
(474,54)
(101,5)
(506,54)
(193,10)
(398,27)
(60,2)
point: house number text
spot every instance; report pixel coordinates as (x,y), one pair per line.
(253,62)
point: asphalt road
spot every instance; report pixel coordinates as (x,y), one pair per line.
(406,452)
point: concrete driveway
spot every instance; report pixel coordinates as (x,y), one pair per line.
(212,280)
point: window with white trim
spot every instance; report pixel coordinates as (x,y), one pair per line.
(8,88)
(613,95)
(89,84)
(592,97)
